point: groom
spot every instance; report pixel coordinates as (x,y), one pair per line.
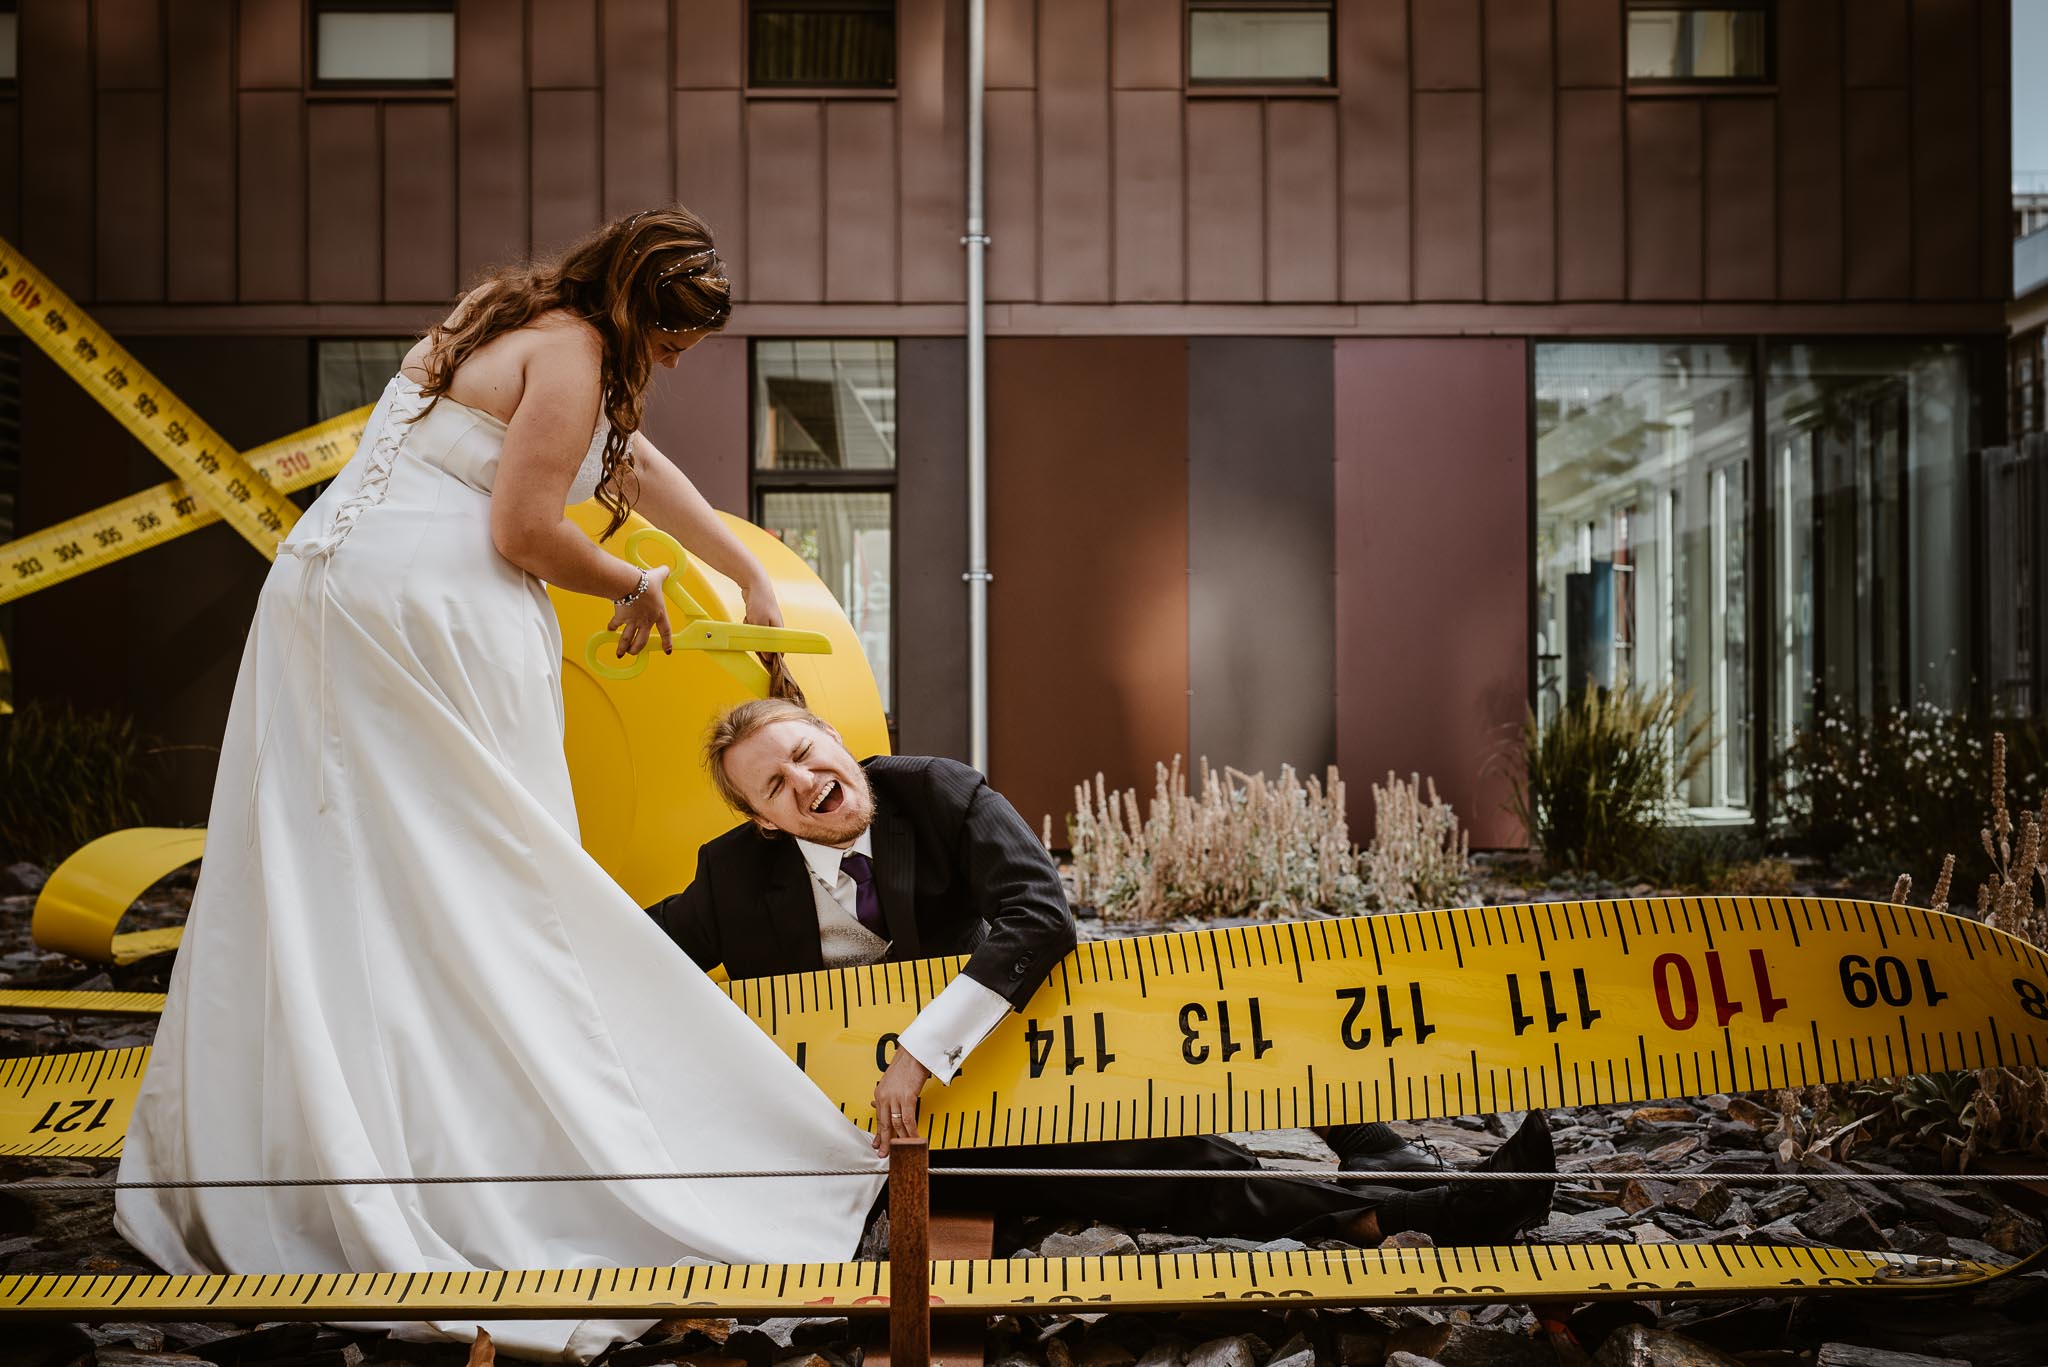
(841,862)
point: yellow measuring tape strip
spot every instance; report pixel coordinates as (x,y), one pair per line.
(50,1002)
(209,467)
(1377,1018)
(1157,1282)
(120,529)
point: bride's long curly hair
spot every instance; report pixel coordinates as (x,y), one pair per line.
(631,279)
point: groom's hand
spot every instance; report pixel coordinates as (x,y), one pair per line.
(896,1100)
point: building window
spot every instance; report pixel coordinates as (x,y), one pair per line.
(849,43)
(1643,556)
(1869,507)
(365,44)
(10,37)
(349,372)
(1673,42)
(1280,42)
(824,475)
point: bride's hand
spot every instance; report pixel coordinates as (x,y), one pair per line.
(763,610)
(637,621)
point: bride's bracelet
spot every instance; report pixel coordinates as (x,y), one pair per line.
(630,598)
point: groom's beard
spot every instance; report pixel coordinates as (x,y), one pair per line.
(843,825)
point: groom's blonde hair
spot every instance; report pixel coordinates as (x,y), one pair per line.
(734,726)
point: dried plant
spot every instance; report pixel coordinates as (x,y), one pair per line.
(1419,857)
(1243,845)
(68,777)
(1991,1109)
(1596,786)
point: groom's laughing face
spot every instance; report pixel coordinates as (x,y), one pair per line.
(800,779)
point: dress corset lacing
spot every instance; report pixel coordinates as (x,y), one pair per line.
(403,405)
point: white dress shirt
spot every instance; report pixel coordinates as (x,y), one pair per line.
(952,1023)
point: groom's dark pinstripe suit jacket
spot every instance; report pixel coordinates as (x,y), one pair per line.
(958,871)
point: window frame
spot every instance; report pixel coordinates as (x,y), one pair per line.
(1696,85)
(11,83)
(1256,85)
(857,90)
(763,482)
(317,84)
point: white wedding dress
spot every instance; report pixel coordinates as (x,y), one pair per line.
(400,962)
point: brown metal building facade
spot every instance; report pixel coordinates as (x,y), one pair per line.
(1268,364)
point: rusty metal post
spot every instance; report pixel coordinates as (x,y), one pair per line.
(910,1268)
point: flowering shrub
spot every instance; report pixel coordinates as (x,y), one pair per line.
(1245,845)
(1418,859)
(1871,794)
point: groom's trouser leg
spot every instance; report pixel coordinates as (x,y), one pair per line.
(1243,1208)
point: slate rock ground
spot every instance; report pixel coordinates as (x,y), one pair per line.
(2004,1325)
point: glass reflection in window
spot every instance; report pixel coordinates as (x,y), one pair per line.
(1643,560)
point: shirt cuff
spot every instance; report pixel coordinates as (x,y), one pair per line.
(949,1028)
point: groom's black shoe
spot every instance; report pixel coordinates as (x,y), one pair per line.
(1376,1148)
(1483,1212)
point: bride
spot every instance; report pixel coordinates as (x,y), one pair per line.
(400,962)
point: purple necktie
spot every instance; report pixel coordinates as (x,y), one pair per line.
(867,902)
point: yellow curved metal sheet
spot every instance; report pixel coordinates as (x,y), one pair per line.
(80,908)
(635,745)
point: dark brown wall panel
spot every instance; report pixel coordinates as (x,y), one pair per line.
(860,202)
(270,223)
(271,47)
(199,114)
(931,149)
(1521,209)
(1372,111)
(785,201)
(490,134)
(1741,199)
(129,205)
(1145,43)
(1446,44)
(1810,149)
(1013,194)
(1261,554)
(1878,263)
(57,144)
(1875,40)
(566,167)
(697,417)
(1226,215)
(564,39)
(1301,201)
(711,164)
(1664,208)
(1113,697)
(931,536)
(1945,199)
(129,37)
(10,169)
(345,204)
(1150,196)
(419,203)
(1589,42)
(1432,434)
(1449,248)
(1073,129)
(1592,232)
(1994,251)
(710,43)
(637,164)
(1012,44)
